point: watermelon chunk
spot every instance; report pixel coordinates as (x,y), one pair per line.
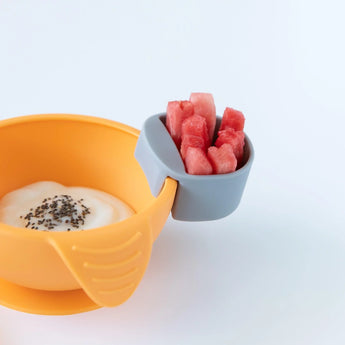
(222,159)
(196,162)
(196,125)
(232,119)
(204,106)
(192,124)
(234,138)
(177,112)
(191,141)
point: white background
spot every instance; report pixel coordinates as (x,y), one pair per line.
(274,271)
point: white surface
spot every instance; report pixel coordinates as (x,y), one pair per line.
(273,272)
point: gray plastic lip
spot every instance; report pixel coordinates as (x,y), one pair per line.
(198,197)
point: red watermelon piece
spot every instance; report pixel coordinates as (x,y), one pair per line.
(232,119)
(196,162)
(234,138)
(177,112)
(196,125)
(191,125)
(191,141)
(222,159)
(204,106)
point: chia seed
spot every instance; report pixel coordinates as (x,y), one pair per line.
(60,209)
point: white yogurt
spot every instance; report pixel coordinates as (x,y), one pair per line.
(51,206)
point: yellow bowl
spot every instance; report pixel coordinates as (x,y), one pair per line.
(108,262)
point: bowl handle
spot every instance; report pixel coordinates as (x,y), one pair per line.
(109,266)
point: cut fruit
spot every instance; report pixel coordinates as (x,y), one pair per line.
(177,112)
(191,141)
(222,158)
(234,138)
(232,119)
(204,106)
(196,162)
(196,125)
(192,124)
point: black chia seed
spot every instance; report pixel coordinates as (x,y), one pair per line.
(61,209)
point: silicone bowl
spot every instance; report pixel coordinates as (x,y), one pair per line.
(108,262)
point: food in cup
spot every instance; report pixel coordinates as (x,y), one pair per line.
(204,105)
(177,112)
(51,206)
(196,162)
(191,125)
(234,138)
(194,134)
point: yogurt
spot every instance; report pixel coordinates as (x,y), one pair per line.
(51,206)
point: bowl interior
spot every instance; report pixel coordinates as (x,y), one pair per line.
(74,151)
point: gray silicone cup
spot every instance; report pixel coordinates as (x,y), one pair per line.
(198,197)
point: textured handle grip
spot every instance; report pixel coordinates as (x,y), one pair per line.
(109,266)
